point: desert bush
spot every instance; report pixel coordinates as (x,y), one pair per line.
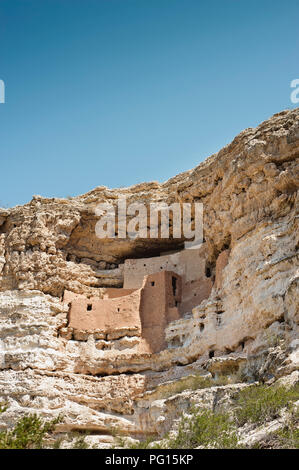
(284,438)
(205,428)
(199,428)
(57,443)
(29,433)
(219,429)
(260,403)
(288,437)
(3,407)
(80,443)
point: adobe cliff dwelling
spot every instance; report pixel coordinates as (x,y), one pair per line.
(156,292)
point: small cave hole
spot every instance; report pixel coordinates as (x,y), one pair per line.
(153,283)
(201,327)
(89,307)
(208,272)
(211,354)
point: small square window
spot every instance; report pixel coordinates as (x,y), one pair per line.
(152,283)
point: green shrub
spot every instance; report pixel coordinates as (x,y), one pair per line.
(57,443)
(260,403)
(205,428)
(29,433)
(285,438)
(288,437)
(80,443)
(3,407)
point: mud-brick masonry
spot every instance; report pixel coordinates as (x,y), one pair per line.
(156,291)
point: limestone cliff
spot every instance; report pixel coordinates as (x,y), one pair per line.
(248,321)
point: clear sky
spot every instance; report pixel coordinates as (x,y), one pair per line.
(116,92)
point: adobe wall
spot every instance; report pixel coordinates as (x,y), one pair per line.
(148,310)
(104,314)
(190,264)
(114,292)
(158,307)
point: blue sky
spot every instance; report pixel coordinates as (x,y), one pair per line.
(116,92)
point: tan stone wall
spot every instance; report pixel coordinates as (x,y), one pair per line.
(194,292)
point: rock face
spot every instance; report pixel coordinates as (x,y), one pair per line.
(247,294)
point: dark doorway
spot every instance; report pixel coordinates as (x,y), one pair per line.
(174,285)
